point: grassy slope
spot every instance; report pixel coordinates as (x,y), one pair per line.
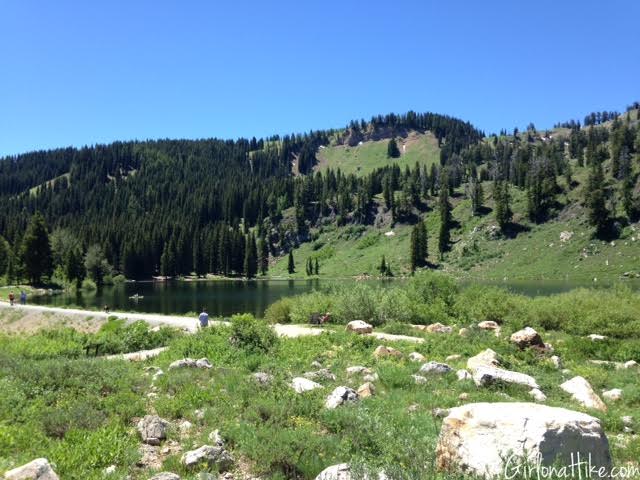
(535,253)
(365,158)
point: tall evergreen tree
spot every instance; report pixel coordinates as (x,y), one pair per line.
(263,256)
(445,215)
(251,257)
(595,199)
(36,250)
(317,267)
(291,266)
(392,149)
(502,201)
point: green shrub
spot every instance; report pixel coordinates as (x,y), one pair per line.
(303,306)
(88,284)
(478,303)
(279,311)
(252,335)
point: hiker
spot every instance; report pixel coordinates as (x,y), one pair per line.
(23,297)
(12,297)
(204,318)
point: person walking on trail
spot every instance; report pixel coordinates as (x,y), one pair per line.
(12,298)
(23,297)
(204,318)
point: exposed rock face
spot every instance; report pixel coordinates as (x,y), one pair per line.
(485,438)
(366,390)
(216,457)
(358,326)
(582,393)
(438,328)
(340,396)
(486,358)
(342,471)
(435,368)
(301,385)
(322,374)
(416,357)
(483,376)
(153,429)
(38,469)
(527,337)
(381,352)
(165,476)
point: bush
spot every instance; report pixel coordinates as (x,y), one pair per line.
(304,305)
(88,284)
(279,311)
(252,335)
(357,302)
(478,303)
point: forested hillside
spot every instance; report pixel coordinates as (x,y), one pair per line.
(445,195)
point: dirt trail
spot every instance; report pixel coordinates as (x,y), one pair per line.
(49,315)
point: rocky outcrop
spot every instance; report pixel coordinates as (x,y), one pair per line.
(301,385)
(484,439)
(360,327)
(438,328)
(165,476)
(322,374)
(213,457)
(262,378)
(582,392)
(38,469)
(365,390)
(153,429)
(357,370)
(486,358)
(190,363)
(340,396)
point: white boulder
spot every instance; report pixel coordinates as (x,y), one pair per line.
(435,368)
(492,439)
(613,395)
(358,326)
(416,357)
(38,469)
(216,457)
(483,376)
(582,392)
(340,396)
(301,385)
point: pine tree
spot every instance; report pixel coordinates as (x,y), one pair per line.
(445,215)
(36,251)
(383,267)
(392,149)
(596,199)
(413,250)
(503,203)
(73,267)
(291,267)
(317,267)
(250,257)
(263,256)
(477,196)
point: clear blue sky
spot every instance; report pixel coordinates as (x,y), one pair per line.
(85,71)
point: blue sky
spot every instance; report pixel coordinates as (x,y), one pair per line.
(84,72)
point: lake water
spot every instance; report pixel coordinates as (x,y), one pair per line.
(226,297)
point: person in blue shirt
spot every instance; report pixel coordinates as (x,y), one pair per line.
(204,318)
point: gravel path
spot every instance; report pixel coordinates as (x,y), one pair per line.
(191,324)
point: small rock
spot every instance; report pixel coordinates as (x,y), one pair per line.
(527,337)
(316,364)
(486,358)
(215,457)
(358,369)
(262,378)
(613,395)
(366,390)
(537,395)
(440,412)
(153,429)
(627,420)
(463,397)
(342,471)
(199,413)
(183,363)
(438,328)
(414,407)
(419,379)
(463,375)
(340,396)
(203,363)
(453,358)
(582,392)
(416,357)
(216,438)
(371,377)
(382,352)
(597,338)
(111,469)
(301,385)
(435,368)
(484,376)
(322,374)
(185,427)
(631,364)
(165,476)
(464,332)
(488,325)
(557,362)
(359,327)
(38,469)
